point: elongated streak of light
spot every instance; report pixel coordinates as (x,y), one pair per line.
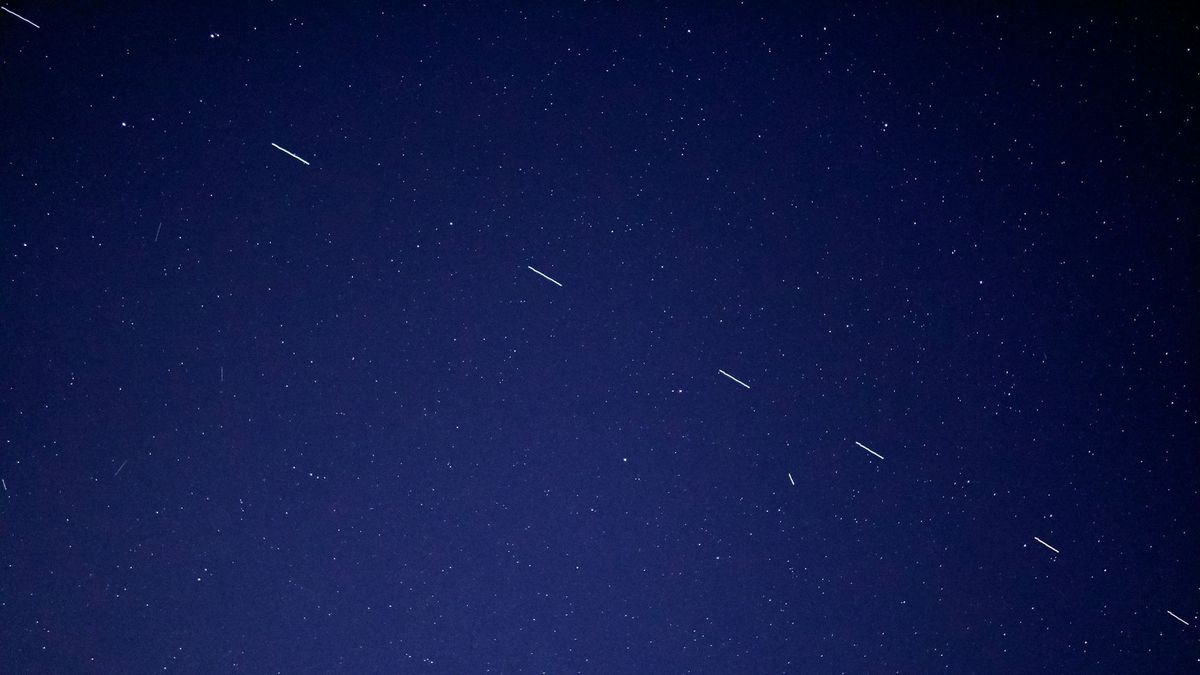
(733,378)
(20,17)
(291,153)
(868,449)
(1046,545)
(551,280)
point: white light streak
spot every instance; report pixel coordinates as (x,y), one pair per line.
(790,480)
(733,378)
(120,467)
(543,275)
(1177,617)
(868,449)
(20,17)
(1046,545)
(291,153)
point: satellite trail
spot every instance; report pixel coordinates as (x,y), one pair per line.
(20,17)
(291,153)
(1046,545)
(543,275)
(868,449)
(733,378)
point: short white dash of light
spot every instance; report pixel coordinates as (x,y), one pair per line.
(546,277)
(20,17)
(222,373)
(120,467)
(4,484)
(1177,617)
(868,449)
(733,378)
(790,479)
(291,153)
(158,232)
(1045,544)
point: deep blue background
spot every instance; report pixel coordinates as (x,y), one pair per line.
(259,416)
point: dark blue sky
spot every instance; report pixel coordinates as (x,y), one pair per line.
(259,415)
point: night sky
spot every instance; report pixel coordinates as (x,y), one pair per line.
(323,413)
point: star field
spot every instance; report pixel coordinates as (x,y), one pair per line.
(598,337)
